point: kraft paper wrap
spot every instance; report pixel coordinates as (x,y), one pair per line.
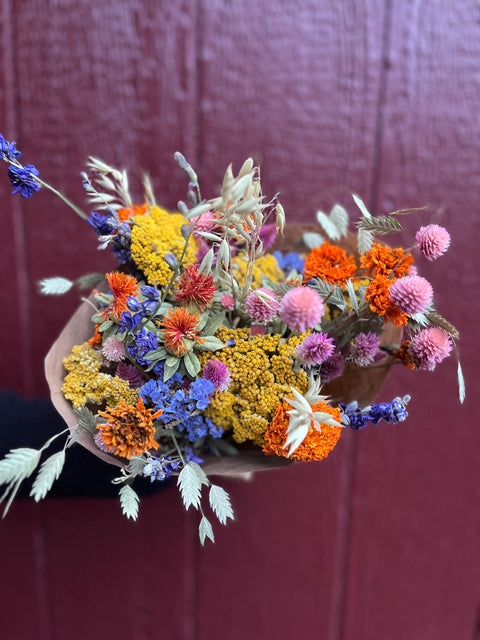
(362,384)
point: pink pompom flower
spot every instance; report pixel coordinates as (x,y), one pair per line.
(301,308)
(315,349)
(429,347)
(262,308)
(227,301)
(412,294)
(113,349)
(432,241)
(217,372)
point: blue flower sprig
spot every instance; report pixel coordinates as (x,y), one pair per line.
(356,418)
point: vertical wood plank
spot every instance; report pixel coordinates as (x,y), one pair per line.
(414,569)
(295,85)
(116,80)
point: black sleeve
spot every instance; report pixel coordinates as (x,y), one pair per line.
(29,423)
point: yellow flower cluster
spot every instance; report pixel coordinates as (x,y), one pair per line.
(154,235)
(266,266)
(85,384)
(262,370)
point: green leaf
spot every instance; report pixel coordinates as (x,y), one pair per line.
(129,501)
(49,472)
(18,464)
(220,503)
(192,364)
(55,286)
(89,280)
(211,343)
(169,370)
(214,323)
(205,530)
(105,325)
(190,486)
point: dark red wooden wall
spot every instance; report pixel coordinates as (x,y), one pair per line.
(378,97)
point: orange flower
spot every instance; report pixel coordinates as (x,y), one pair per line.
(317,444)
(134,210)
(403,354)
(129,430)
(330,263)
(96,339)
(382,260)
(180,331)
(378,297)
(122,287)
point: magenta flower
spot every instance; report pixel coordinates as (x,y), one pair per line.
(315,349)
(131,374)
(412,294)
(429,347)
(261,308)
(205,222)
(218,373)
(113,349)
(301,308)
(227,301)
(364,349)
(332,368)
(432,241)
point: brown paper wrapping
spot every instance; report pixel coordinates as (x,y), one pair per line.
(362,384)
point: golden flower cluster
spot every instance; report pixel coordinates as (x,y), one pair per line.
(86,384)
(262,370)
(154,236)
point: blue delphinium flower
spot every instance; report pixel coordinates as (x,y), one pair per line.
(8,150)
(129,322)
(160,468)
(392,412)
(22,179)
(122,242)
(144,341)
(289,261)
(104,225)
(200,392)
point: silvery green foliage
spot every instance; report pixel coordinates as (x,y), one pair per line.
(220,503)
(352,294)
(311,239)
(332,292)
(364,237)
(17,465)
(190,486)
(461,383)
(85,420)
(335,224)
(89,280)
(55,286)
(129,501)
(380,225)
(205,530)
(48,473)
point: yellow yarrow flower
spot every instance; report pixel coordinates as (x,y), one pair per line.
(85,384)
(262,370)
(153,236)
(264,267)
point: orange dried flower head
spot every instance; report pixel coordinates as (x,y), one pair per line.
(377,295)
(317,444)
(382,260)
(129,429)
(180,331)
(195,289)
(122,287)
(96,339)
(134,210)
(330,263)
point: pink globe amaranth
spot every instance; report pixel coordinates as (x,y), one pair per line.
(412,294)
(301,308)
(429,347)
(262,309)
(432,241)
(315,349)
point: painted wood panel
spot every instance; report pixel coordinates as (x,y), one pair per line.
(414,569)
